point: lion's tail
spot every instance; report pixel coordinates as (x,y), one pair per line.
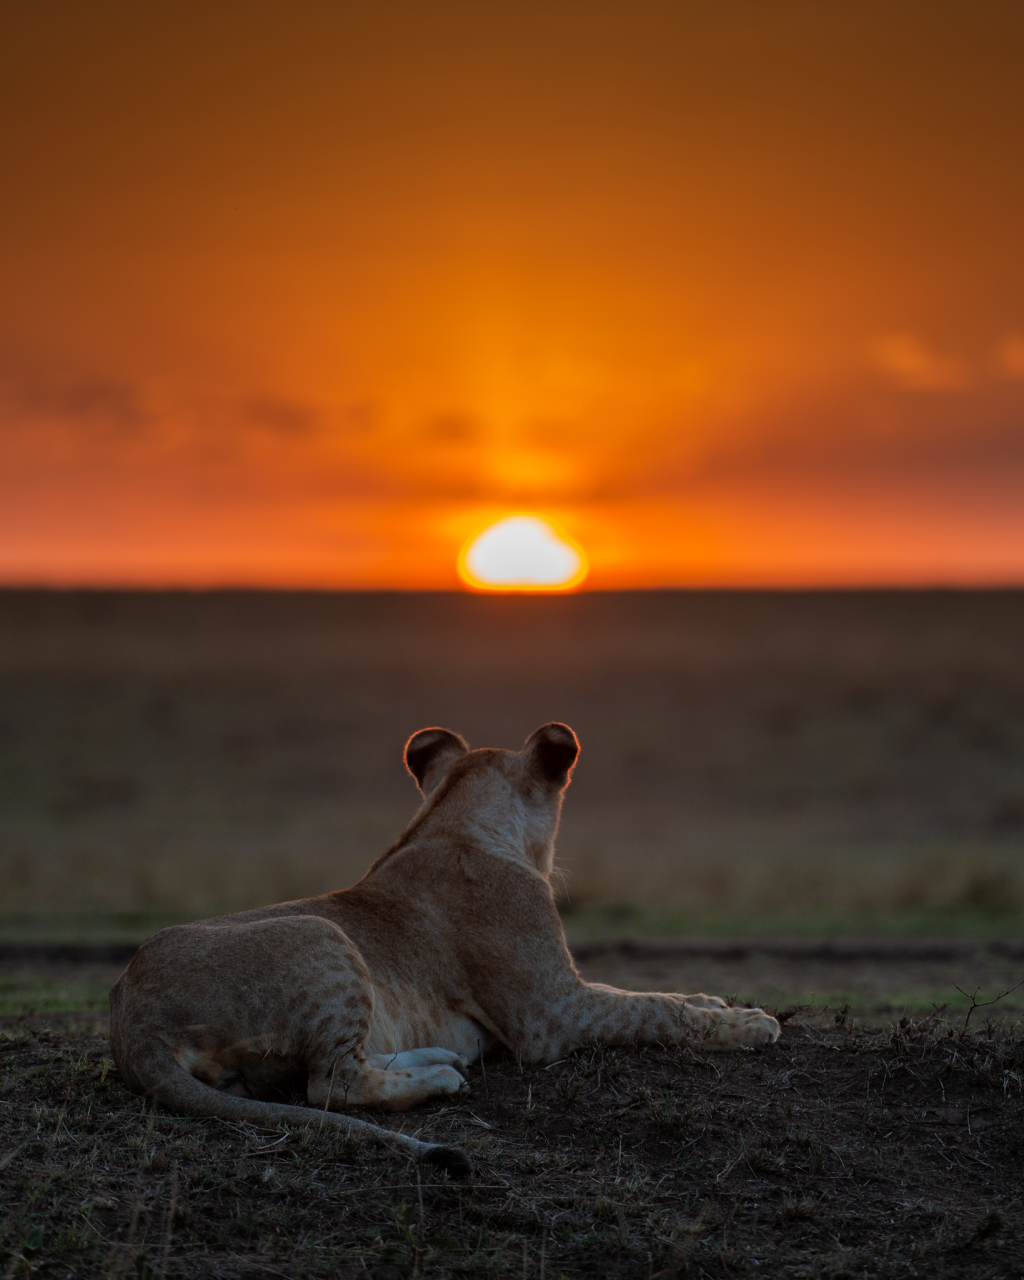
(169,1083)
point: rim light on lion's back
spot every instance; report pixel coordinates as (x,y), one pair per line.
(522,553)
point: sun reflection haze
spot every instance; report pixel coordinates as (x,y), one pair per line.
(522,553)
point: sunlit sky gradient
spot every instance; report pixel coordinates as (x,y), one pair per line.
(309,294)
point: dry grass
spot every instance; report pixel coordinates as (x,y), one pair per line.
(743,753)
(844,1151)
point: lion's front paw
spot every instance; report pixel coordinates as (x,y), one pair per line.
(706,1002)
(746,1028)
(760,1028)
(732,1028)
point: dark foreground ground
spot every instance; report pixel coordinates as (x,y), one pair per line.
(845,1150)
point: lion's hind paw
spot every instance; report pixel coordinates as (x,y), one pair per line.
(411,1059)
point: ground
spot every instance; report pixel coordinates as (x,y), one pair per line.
(813,799)
(743,752)
(858,1146)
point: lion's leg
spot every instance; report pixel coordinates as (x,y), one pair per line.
(342,1074)
(604,1014)
(359,1083)
(529,989)
(700,1001)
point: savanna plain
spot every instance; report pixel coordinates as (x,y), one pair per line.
(809,801)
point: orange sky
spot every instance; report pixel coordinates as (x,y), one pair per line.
(306,294)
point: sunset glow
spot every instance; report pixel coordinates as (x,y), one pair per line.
(522,553)
(667,275)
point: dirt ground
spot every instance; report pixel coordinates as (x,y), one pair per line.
(855,1147)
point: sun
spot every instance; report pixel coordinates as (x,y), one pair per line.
(522,553)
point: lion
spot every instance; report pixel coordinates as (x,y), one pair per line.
(381,995)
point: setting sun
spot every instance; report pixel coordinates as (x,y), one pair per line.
(387,274)
(522,553)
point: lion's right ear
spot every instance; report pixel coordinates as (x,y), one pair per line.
(429,755)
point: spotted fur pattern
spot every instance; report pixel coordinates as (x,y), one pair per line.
(381,995)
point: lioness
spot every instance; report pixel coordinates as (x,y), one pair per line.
(382,994)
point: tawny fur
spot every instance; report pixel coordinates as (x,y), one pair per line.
(380,995)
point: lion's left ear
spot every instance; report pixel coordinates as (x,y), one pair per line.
(429,755)
(553,748)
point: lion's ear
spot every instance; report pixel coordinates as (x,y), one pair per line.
(554,748)
(430,753)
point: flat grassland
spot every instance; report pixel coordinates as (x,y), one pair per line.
(751,761)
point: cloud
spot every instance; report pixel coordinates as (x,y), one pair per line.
(287,417)
(101,406)
(1009,356)
(451,428)
(916,368)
